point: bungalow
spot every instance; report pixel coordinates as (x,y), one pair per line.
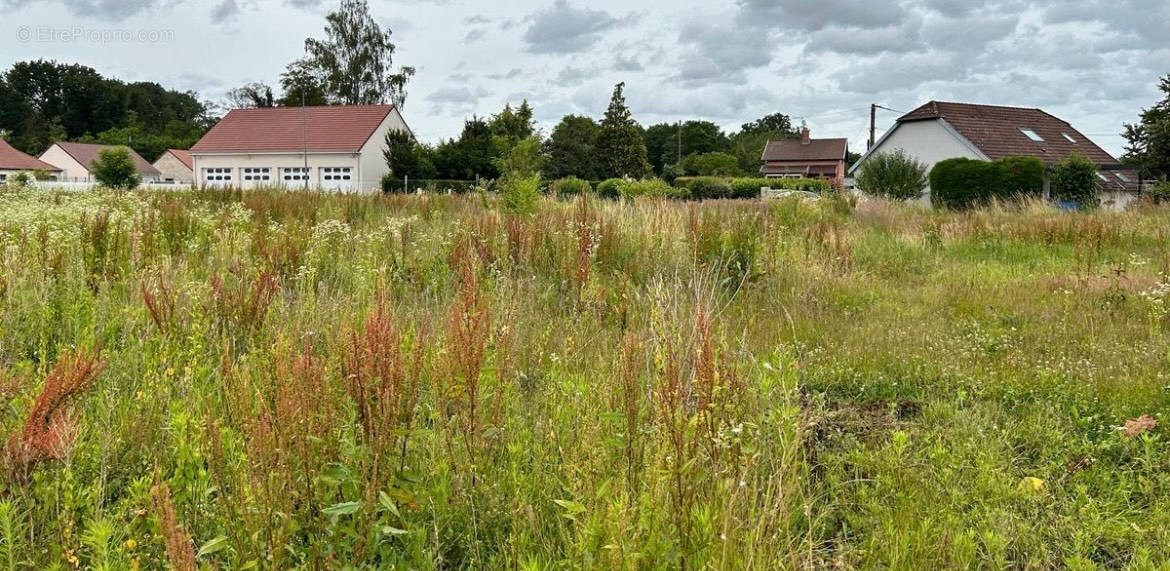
(13,162)
(75,160)
(329,148)
(808,158)
(939,130)
(175,167)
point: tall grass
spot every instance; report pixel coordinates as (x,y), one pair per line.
(302,380)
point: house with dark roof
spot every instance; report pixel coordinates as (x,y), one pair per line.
(941,130)
(338,148)
(75,160)
(806,157)
(176,166)
(13,162)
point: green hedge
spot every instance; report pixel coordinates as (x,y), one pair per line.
(570,186)
(707,188)
(652,187)
(611,188)
(704,188)
(962,182)
(391,184)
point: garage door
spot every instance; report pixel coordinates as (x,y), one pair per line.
(294,177)
(217,177)
(255,177)
(337,178)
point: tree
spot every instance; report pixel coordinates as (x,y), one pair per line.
(663,139)
(1149,140)
(893,175)
(356,58)
(774,123)
(620,146)
(249,95)
(520,179)
(469,156)
(571,149)
(406,157)
(513,125)
(115,169)
(748,144)
(711,164)
(302,84)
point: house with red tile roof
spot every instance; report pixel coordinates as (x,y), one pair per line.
(806,158)
(13,162)
(75,160)
(335,148)
(941,130)
(176,166)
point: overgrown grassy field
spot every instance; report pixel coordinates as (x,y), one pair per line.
(290,380)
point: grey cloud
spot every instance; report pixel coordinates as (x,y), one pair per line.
(566,29)
(894,39)
(720,52)
(474,35)
(224,11)
(624,63)
(111,10)
(510,74)
(457,95)
(813,15)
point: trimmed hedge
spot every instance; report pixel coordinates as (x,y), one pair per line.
(652,187)
(962,182)
(707,188)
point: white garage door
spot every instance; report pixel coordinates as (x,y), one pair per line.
(217,177)
(255,177)
(337,178)
(294,177)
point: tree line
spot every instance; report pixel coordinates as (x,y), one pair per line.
(617,146)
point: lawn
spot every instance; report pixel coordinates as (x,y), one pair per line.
(294,380)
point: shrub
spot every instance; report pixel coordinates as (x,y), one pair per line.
(520,194)
(115,169)
(1075,180)
(20,179)
(806,184)
(651,187)
(571,186)
(707,187)
(441,186)
(611,188)
(1160,193)
(711,164)
(894,175)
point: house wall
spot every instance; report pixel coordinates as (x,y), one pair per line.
(275,161)
(373,160)
(927,141)
(71,170)
(172,168)
(839,166)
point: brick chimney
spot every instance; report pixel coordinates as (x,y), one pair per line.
(804,135)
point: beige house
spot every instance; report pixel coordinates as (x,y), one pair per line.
(74,161)
(14,162)
(176,166)
(334,148)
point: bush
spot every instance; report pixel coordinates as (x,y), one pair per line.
(20,179)
(115,169)
(711,164)
(962,182)
(390,183)
(1075,180)
(894,175)
(611,188)
(571,186)
(748,187)
(805,184)
(1160,193)
(708,187)
(652,187)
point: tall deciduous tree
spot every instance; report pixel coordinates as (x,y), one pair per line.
(302,84)
(356,58)
(572,149)
(1149,139)
(620,146)
(406,157)
(748,144)
(255,94)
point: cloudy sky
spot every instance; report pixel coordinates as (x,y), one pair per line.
(1094,63)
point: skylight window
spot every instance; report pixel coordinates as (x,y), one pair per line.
(1122,176)
(1069,138)
(1102,177)
(1036,138)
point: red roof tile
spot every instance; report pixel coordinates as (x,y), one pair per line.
(183,156)
(87,153)
(320,129)
(815,150)
(996,131)
(12,159)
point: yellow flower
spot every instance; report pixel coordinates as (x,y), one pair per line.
(1030,484)
(131,544)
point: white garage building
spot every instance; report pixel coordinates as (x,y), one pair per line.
(336,148)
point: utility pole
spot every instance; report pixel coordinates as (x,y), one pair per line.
(872,125)
(680,143)
(305,137)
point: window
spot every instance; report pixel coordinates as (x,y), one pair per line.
(337,173)
(1036,138)
(291,174)
(1123,177)
(217,174)
(1069,138)
(1102,177)
(3,178)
